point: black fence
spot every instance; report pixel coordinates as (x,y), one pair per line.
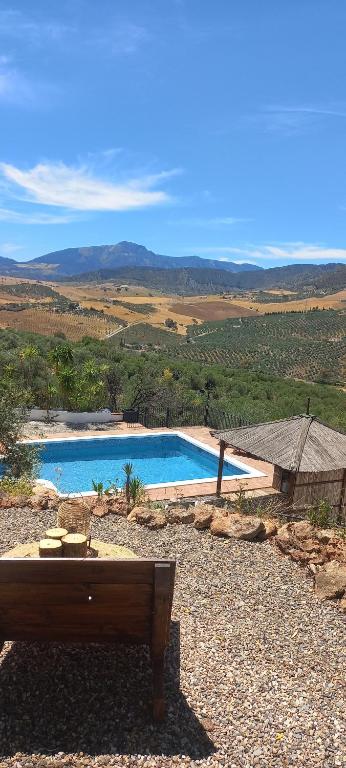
(188,416)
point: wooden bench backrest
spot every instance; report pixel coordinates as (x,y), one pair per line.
(86,600)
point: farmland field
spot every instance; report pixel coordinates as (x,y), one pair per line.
(211,310)
(331,301)
(48,323)
(309,346)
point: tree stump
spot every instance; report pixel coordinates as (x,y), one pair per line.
(56,533)
(50,548)
(74,545)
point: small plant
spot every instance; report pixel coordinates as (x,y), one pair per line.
(128,470)
(113,488)
(99,489)
(243,505)
(320,514)
(137,491)
(12,486)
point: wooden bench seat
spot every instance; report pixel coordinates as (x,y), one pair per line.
(91,600)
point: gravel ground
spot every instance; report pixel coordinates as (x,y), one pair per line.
(262,665)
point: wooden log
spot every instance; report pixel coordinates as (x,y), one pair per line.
(56,533)
(74,545)
(50,548)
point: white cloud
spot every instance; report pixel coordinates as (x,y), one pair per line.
(6,249)
(16,25)
(214,222)
(292,252)
(296,119)
(78,189)
(114,35)
(18,217)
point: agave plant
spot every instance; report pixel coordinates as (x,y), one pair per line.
(137,490)
(98,488)
(128,470)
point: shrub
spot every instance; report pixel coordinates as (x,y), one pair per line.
(12,486)
(20,459)
(320,514)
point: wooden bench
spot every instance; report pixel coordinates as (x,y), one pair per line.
(90,601)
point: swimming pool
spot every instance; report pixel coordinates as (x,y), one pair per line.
(160,459)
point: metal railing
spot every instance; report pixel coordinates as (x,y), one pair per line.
(187,416)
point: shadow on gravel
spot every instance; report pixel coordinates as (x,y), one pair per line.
(93,699)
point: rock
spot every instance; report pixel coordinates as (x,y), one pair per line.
(306,544)
(5,501)
(270,529)
(43,498)
(203,518)
(136,513)
(100,509)
(343,604)
(324,535)
(284,537)
(309,545)
(145,517)
(238,527)
(159,521)
(180,515)
(151,518)
(330,580)
(302,530)
(117,506)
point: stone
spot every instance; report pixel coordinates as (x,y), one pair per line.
(151,518)
(324,535)
(21,501)
(238,527)
(159,521)
(137,513)
(180,515)
(270,529)
(100,509)
(203,518)
(302,529)
(5,502)
(309,545)
(145,517)
(330,580)
(117,506)
(343,604)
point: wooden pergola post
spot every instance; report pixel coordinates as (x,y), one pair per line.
(220,469)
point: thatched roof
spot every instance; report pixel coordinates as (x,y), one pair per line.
(301,443)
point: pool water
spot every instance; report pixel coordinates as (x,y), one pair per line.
(72,465)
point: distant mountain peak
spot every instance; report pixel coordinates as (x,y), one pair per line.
(71,261)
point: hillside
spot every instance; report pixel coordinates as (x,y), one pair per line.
(73,261)
(157,380)
(191,281)
(302,345)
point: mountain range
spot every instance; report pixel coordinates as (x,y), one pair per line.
(74,261)
(134,264)
(307,278)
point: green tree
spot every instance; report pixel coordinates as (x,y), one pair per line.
(20,459)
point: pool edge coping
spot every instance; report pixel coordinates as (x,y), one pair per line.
(251,472)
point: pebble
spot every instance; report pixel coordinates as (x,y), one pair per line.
(262,665)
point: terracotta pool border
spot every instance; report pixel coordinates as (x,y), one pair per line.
(251,472)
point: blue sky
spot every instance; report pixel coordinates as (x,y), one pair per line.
(214,128)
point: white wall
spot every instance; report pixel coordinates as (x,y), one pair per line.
(71,417)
